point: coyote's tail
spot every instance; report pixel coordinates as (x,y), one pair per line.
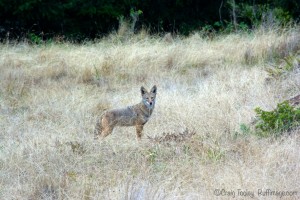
(98,128)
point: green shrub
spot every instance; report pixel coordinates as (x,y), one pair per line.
(34,38)
(275,122)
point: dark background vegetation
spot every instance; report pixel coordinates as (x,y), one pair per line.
(89,19)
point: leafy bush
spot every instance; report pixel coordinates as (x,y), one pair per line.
(275,122)
(35,39)
(78,20)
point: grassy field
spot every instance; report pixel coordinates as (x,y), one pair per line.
(199,142)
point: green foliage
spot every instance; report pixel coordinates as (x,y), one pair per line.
(275,122)
(257,14)
(35,39)
(152,155)
(134,13)
(80,19)
(215,154)
(97,74)
(245,129)
(282,15)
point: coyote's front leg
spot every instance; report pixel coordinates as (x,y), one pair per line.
(139,129)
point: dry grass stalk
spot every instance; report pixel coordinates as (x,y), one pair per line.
(51,95)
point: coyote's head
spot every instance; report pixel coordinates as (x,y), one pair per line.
(149,97)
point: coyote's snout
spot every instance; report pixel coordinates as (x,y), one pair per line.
(136,115)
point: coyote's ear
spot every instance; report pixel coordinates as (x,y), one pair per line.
(154,89)
(143,90)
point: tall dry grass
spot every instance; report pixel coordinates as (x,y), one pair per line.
(51,95)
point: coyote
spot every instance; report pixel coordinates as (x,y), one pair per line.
(136,115)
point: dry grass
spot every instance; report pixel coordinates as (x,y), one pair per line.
(50,97)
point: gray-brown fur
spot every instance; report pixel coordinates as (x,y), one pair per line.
(136,115)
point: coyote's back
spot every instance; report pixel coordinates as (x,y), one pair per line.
(136,115)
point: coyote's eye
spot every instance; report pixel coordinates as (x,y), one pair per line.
(152,98)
